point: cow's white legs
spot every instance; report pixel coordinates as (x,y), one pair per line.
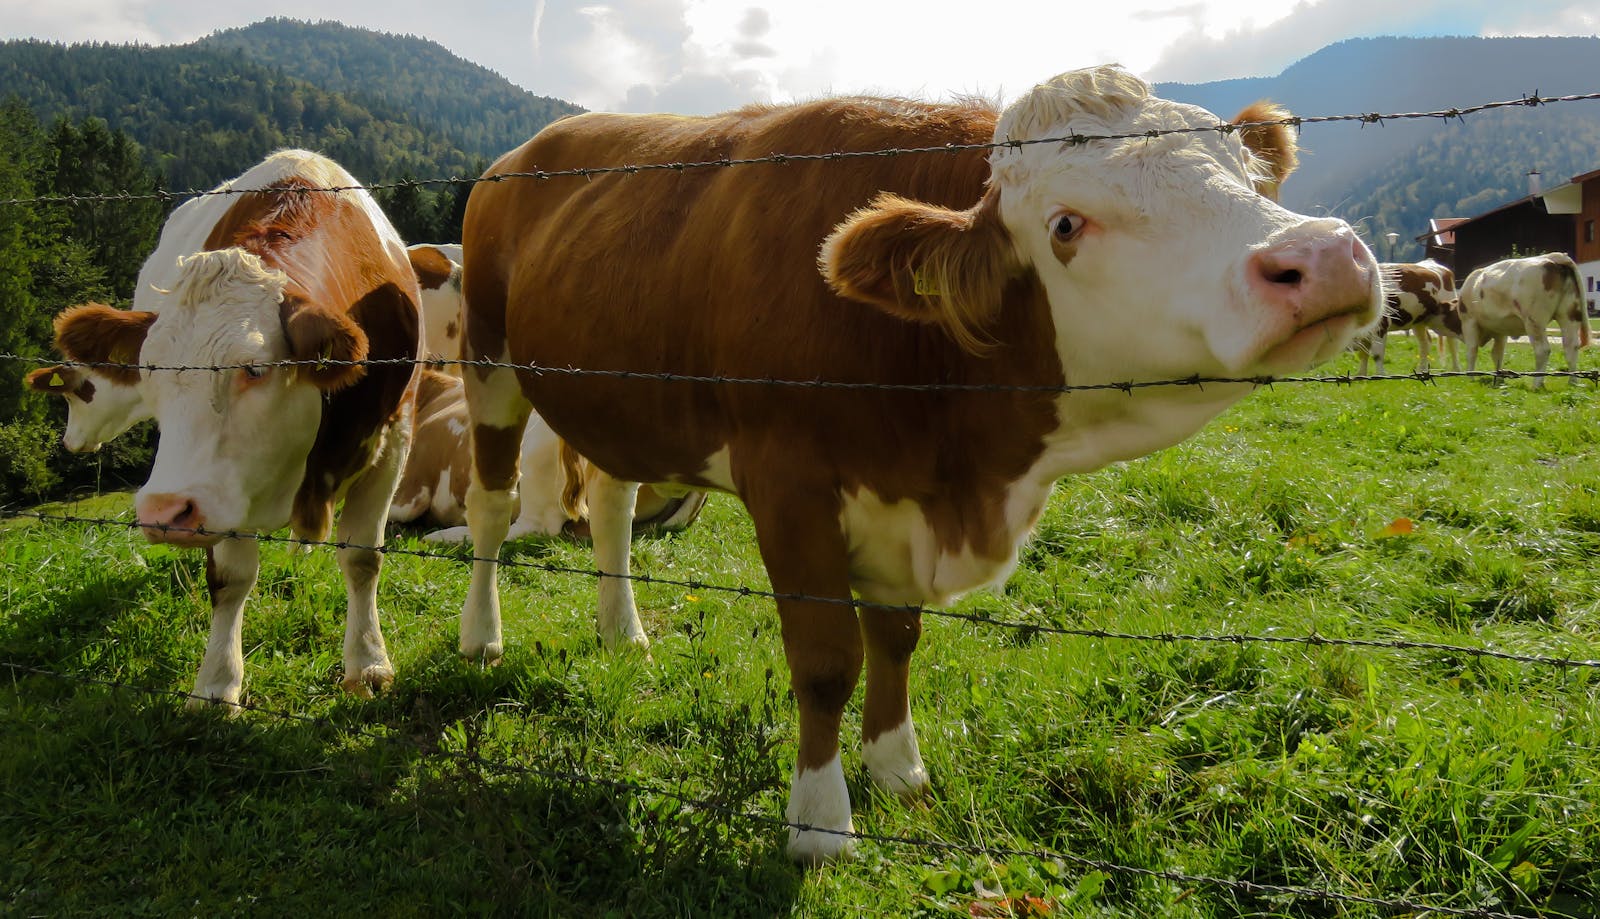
(888,737)
(1469,341)
(1499,351)
(611,526)
(498,412)
(1377,351)
(1422,337)
(367,669)
(1571,341)
(1541,353)
(231,567)
(539,494)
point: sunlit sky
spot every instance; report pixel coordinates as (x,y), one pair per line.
(698,56)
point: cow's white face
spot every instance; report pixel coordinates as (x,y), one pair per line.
(99,407)
(1159,257)
(233,443)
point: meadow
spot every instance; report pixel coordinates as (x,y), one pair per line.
(1074,775)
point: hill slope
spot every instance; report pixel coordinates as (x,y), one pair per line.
(1398,174)
(479,110)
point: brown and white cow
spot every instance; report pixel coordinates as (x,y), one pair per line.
(438,268)
(99,406)
(1043,263)
(1522,296)
(551,490)
(1421,297)
(285,271)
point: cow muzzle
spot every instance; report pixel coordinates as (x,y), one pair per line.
(1320,286)
(174,519)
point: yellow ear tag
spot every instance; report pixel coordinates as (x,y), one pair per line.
(56,382)
(925,284)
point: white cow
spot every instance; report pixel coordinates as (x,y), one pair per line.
(1522,296)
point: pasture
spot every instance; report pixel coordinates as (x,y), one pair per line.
(570,781)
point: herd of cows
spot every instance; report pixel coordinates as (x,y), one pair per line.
(1507,299)
(1022,265)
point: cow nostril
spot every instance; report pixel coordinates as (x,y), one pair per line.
(1290,277)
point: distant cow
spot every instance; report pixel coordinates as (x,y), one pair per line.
(1044,263)
(280,268)
(434,483)
(1522,296)
(99,405)
(1420,297)
(438,268)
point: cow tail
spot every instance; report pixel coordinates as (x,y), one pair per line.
(575,477)
(1583,308)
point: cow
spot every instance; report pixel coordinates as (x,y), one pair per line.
(1522,296)
(438,268)
(1089,234)
(99,406)
(275,266)
(434,483)
(1420,297)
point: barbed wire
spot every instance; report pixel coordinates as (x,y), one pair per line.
(572,777)
(748,592)
(1297,122)
(1126,386)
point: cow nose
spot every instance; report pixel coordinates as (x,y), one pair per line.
(170,518)
(1321,270)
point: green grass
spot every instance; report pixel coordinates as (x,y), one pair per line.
(1420,774)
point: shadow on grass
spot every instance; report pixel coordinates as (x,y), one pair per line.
(113,802)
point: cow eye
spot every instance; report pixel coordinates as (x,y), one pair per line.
(1066,226)
(252,373)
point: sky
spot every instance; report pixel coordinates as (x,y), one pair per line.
(700,56)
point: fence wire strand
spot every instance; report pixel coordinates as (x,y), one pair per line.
(1124,386)
(571,777)
(748,592)
(1533,100)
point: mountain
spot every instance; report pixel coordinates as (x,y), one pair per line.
(477,109)
(1398,174)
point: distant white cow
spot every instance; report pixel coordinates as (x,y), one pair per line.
(1521,296)
(438,268)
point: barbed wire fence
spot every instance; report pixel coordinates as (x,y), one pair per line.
(1130,387)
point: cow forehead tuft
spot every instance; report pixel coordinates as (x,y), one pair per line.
(225,274)
(1100,100)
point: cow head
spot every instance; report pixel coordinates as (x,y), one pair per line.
(1162,255)
(99,406)
(234,441)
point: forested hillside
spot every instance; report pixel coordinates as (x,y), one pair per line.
(480,111)
(1397,174)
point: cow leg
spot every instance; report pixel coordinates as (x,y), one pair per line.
(231,567)
(1541,352)
(367,669)
(888,738)
(539,495)
(611,529)
(1499,350)
(805,555)
(498,411)
(1377,351)
(1469,340)
(1422,348)
(1571,340)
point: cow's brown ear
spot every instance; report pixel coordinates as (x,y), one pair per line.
(93,333)
(432,267)
(320,335)
(924,263)
(1273,144)
(58,380)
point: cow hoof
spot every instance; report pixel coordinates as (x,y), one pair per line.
(811,848)
(484,656)
(226,707)
(370,681)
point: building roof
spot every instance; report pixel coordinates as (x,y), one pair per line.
(1442,230)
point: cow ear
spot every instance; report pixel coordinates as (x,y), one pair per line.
(59,379)
(924,263)
(93,333)
(320,335)
(1274,145)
